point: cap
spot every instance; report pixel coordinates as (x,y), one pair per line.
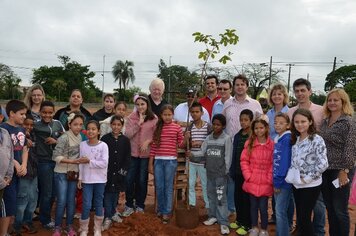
(190,91)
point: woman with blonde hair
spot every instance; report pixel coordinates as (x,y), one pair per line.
(33,99)
(338,130)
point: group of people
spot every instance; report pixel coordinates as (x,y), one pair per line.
(302,156)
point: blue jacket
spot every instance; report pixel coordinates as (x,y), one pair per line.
(282,160)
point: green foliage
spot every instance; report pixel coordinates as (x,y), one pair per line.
(126,95)
(178,79)
(318,98)
(123,72)
(350,89)
(59,81)
(214,46)
(340,77)
(9,83)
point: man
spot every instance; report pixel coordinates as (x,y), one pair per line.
(302,91)
(234,106)
(211,82)
(224,91)
(182,110)
(156,92)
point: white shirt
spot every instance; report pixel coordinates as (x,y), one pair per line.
(181,113)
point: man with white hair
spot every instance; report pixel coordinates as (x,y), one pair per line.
(156,92)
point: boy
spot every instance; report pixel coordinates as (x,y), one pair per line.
(197,131)
(16,111)
(242,199)
(46,132)
(27,186)
(217,150)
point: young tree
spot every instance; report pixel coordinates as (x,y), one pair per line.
(123,72)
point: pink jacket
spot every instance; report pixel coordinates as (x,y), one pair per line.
(257,168)
(139,133)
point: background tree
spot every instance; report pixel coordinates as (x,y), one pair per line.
(123,72)
(128,95)
(73,74)
(178,79)
(59,85)
(9,83)
(340,77)
(350,89)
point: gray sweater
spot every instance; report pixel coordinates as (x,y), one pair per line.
(6,157)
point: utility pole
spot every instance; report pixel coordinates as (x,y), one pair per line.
(103,74)
(270,73)
(308,76)
(169,81)
(334,65)
(289,70)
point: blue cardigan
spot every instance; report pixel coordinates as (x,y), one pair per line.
(282,160)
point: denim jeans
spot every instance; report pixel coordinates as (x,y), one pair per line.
(194,170)
(319,216)
(65,194)
(336,201)
(27,195)
(47,193)
(110,203)
(282,200)
(218,199)
(93,193)
(259,204)
(164,172)
(136,182)
(230,194)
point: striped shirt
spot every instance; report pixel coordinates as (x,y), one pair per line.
(171,137)
(199,134)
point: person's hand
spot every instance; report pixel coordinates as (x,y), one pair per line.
(19,169)
(188,154)
(150,169)
(83,160)
(7,180)
(50,141)
(197,144)
(79,184)
(343,178)
(29,143)
(187,135)
(142,119)
(145,146)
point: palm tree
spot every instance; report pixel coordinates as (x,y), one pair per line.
(59,85)
(123,71)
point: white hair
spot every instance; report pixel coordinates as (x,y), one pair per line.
(158,82)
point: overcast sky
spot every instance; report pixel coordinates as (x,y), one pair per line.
(34,32)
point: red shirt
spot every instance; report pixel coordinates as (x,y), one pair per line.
(208,104)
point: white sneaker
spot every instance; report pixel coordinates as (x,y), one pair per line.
(117,218)
(128,211)
(107,223)
(224,229)
(263,233)
(210,221)
(253,232)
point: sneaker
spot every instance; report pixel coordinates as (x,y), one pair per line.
(254,232)
(210,221)
(57,231)
(242,230)
(128,211)
(165,219)
(292,229)
(77,215)
(234,225)
(263,233)
(224,229)
(30,229)
(139,210)
(49,226)
(107,223)
(117,217)
(70,231)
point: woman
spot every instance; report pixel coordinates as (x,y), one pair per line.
(75,105)
(33,99)
(139,129)
(339,132)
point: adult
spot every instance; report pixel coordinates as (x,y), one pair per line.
(33,99)
(338,130)
(224,91)
(211,83)
(302,91)
(156,92)
(240,101)
(182,110)
(75,105)
(140,126)
(107,110)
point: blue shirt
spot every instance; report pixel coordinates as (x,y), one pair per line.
(271,115)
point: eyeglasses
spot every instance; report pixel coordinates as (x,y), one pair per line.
(223,89)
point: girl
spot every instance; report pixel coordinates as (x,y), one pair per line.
(66,156)
(217,150)
(339,132)
(94,155)
(167,136)
(281,163)
(107,110)
(256,166)
(308,163)
(119,158)
(119,110)
(139,129)
(33,99)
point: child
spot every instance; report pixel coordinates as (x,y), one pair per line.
(46,132)
(120,110)
(17,112)
(241,198)
(119,158)
(6,172)
(217,150)
(94,156)
(281,163)
(66,156)
(167,136)
(108,109)
(256,166)
(308,162)
(197,131)
(26,204)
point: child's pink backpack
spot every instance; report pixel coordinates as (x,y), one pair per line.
(352,199)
